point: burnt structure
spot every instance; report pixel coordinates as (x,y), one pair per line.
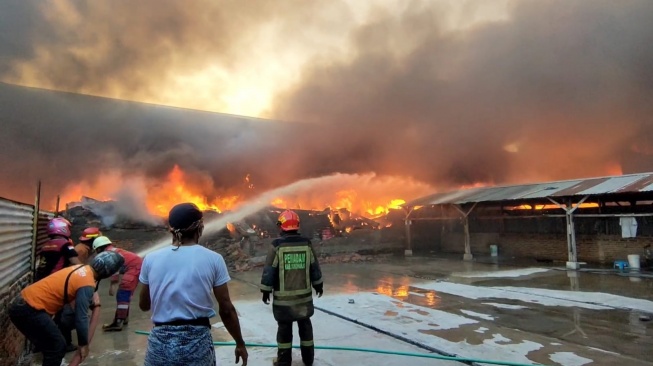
(581,220)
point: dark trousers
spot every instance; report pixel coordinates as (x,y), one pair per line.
(65,320)
(39,328)
(284,342)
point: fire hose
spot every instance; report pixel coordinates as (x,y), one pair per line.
(370,350)
(95,319)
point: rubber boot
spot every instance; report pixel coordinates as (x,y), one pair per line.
(284,358)
(116,326)
(308,355)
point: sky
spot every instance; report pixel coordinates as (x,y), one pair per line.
(440,93)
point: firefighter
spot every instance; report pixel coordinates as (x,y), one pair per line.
(31,312)
(59,251)
(291,268)
(126,286)
(65,319)
(85,246)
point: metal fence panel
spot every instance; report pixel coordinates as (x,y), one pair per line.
(16,224)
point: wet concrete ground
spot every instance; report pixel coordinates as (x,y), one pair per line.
(399,298)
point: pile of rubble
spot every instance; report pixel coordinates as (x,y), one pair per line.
(352,258)
(238,259)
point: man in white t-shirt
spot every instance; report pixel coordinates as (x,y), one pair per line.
(178,285)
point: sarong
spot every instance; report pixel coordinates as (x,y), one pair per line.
(180,345)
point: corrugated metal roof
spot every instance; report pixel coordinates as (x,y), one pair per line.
(631,183)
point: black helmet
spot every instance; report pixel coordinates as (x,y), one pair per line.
(107,263)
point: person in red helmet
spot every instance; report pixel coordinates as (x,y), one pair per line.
(58,252)
(125,285)
(85,247)
(291,269)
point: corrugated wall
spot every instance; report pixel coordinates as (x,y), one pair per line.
(16,223)
(16,268)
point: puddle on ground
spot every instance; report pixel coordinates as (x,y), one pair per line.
(420,312)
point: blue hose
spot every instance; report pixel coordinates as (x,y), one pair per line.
(370,350)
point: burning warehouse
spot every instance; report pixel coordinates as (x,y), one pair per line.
(597,220)
(347,112)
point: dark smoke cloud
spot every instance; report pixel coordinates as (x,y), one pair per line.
(560,89)
(132,50)
(64,138)
(567,82)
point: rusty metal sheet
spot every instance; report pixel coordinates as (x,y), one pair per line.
(16,221)
(640,185)
(457,196)
(581,186)
(611,185)
(547,189)
(594,186)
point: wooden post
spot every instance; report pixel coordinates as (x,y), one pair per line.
(56,208)
(35,227)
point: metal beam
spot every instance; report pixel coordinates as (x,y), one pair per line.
(465,214)
(579,203)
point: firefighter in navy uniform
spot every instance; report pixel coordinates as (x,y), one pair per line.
(291,269)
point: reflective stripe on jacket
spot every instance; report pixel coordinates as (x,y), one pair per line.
(291,270)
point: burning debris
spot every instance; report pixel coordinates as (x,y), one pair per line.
(243,243)
(108,214)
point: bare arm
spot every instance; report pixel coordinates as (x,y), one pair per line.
(228,313)
(75,260)
(144,301)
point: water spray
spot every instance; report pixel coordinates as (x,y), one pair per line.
(248,208)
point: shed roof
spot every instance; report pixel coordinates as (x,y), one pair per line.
(631,183)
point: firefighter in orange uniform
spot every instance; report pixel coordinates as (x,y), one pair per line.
(59,251)
(85,246)
(32,311)
(291,269)
(126,286)
(65,319)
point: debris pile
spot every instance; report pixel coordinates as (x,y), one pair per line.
(352,258)
(109,215)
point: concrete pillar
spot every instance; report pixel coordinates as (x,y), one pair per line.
(408,251)
(468,248)
(572,262)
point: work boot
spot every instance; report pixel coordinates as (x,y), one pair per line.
(275,362)
(308,354)
(284,357)
(116,326)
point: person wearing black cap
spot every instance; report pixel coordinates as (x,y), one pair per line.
(178,285)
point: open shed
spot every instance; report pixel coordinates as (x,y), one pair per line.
(609,217)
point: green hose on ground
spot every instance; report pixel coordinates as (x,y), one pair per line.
(370,350)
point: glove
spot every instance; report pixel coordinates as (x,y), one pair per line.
(319,289)
(266,297)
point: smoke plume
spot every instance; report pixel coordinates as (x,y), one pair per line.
(550,90)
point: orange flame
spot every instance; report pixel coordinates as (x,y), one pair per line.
(176,190)
(356,196)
